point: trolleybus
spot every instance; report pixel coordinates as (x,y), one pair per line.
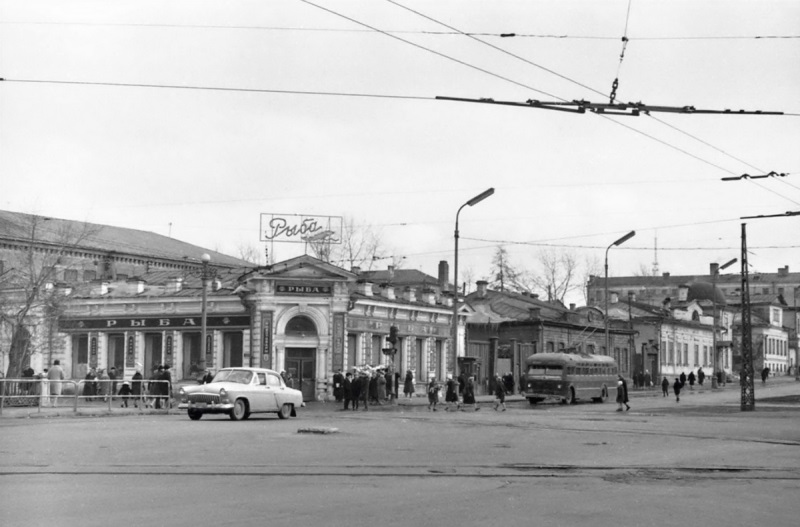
(569,377)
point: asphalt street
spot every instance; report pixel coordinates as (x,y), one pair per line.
(701,461)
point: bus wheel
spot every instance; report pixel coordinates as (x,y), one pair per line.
(533,401)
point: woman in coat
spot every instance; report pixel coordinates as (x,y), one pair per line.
(381,387)
(469,393)
(408,386)
(136,388)
(677,388)
(622,393)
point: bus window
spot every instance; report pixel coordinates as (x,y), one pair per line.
(536,370)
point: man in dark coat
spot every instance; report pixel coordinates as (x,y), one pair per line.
(683,379)
(338,386)
(691,379)
(389,384)
(347,391)
(677,388)
(701,376)
(136,387)
(364,391)
(356,388)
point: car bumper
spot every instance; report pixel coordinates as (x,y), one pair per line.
(209,408)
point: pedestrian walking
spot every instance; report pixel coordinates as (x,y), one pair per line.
(622,393)
(137,390)
(451,393)
(54,376)
(683,379)
(469,393)
(364,390)
(90,384)
(647,381)
(347,390)
(691,379)
(677,388)
(389,378)
(103,384)
(408,385)
(764,374)
(499,393)
(125,393)
(433,394)
(701,376)
(665,387)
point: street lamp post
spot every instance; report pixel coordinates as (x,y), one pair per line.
(477,199)
(204,278)
(715,272)
(605,294)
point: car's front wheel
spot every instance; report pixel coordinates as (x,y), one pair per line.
(195,415)
(285,411)
(239,410)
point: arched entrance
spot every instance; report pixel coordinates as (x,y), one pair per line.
(301,350)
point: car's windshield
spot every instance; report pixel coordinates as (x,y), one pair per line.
(237,376)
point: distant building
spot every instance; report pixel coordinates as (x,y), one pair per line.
(504,328)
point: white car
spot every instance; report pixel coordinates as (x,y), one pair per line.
(240,392)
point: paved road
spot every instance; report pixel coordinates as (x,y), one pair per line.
(662,463)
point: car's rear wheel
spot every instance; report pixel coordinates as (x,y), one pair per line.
(195,415)
(239,410)
(285,411)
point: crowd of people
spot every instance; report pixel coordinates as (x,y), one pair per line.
(383,385)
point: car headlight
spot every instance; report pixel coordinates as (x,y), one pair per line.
(182,394)
(223,395)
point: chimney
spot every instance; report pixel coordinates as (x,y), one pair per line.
(365,288)
(355,270)
(387,291)
(783,271)
(174,284)
(713,269)
(535,296)
(535,312)
(409,294)
(572,307)
(665,275)
(683,292)
(482,285)
(444,275)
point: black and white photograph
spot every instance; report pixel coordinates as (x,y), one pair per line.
(399,262)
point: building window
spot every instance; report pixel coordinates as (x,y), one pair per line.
(70,275)
(88,276)
(551,346)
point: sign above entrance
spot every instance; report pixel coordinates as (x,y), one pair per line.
(303,289)
(186,323)
(301,228)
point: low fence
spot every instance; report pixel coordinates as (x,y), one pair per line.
(115,394)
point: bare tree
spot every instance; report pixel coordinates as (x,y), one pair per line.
(360,246)
(28,295)
(249,253)
(558,270)
(505,276)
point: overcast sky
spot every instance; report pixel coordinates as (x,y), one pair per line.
(203,164)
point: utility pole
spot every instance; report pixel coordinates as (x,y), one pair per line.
(747,380)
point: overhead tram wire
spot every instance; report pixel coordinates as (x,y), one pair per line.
(215,88)
(394,2)
(615,84)
(505,35)
(497,48)
(438,53)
